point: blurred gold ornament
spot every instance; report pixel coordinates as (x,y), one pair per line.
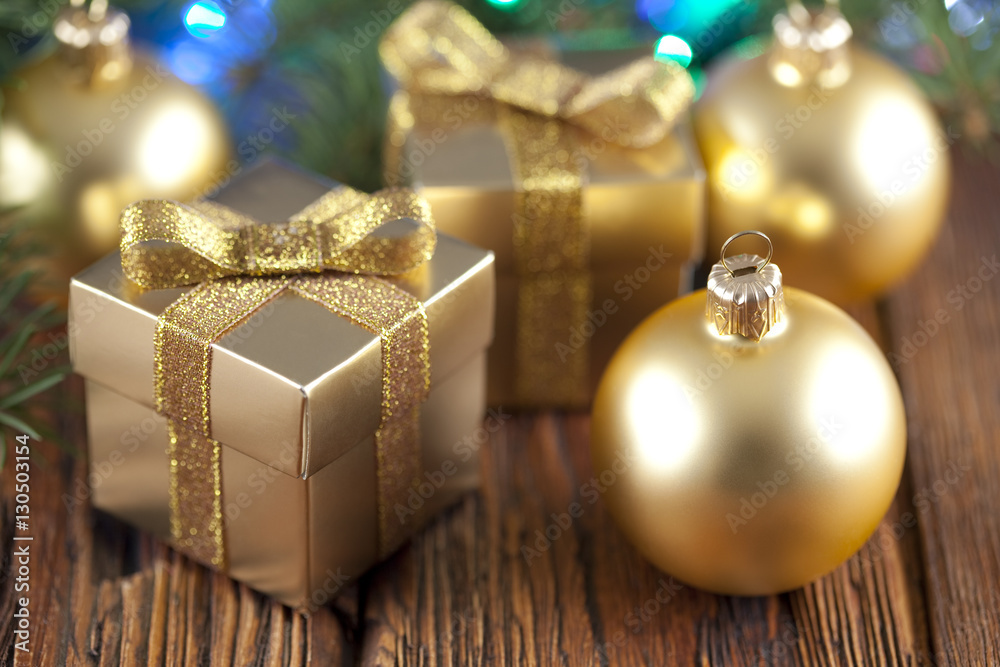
(755,444)
(93,127)
(829,149)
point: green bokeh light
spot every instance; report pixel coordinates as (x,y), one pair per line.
(505,5)
(672,47)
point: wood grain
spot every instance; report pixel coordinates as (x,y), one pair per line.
(951,383)
(484,584)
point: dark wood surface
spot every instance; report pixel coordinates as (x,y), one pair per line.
(925,590)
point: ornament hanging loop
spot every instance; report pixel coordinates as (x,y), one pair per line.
(749,232)
(744,296)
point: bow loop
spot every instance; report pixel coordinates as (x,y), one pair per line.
(438,48)
(169,244)
(635,105)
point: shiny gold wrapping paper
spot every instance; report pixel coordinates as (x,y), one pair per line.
(285,535)
(633,199)
(295,400)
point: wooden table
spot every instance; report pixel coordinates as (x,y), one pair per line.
(924,591)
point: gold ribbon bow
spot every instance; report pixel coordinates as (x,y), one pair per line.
(437,47)
(438,51)
(166,244)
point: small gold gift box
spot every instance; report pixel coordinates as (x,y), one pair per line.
(546,159)
(297,396)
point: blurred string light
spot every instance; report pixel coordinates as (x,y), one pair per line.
(506,5)
(964,18)
(204,18)
(227,35)
(978,20)
(705,26)
(687,18)
(672,47)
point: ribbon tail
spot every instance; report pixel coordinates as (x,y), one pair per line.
(183,342)
(196,522)
(552,259)
(398,318)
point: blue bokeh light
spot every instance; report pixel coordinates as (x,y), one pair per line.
(193,63)
(699,23)
(204,18)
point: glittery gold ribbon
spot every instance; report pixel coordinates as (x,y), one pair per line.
(439,48)
(551,258)
(166,243)
(438,51)
(187,329)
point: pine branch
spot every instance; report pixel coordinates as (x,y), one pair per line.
(23,389)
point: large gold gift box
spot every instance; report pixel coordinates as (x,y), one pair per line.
(295,396)
(642,209)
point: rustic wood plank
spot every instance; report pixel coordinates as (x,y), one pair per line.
(275,647)
(176,612)
(105,639)
(223,619)
(296,640)
(196,638)
(158,613)
(136,590)
(326,644)
(944,329)
(250,614)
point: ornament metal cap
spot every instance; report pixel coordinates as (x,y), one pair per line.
(744,292)
(94,41)
(811,47)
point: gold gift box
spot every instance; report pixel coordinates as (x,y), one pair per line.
(639,204)
(295,402)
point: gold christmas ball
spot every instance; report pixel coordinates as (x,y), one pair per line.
(94,127)
(829,149)
(748,466)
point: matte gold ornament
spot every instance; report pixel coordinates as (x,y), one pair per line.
(95,126)
(757,440)
(831,150)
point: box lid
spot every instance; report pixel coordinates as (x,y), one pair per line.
(294,376)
